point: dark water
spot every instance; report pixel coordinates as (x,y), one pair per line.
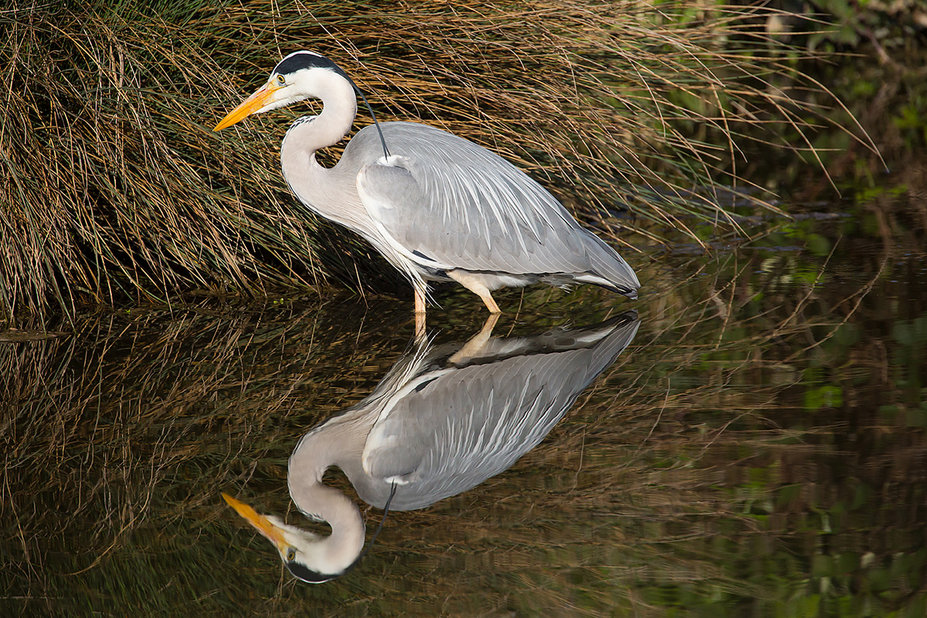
(758,448)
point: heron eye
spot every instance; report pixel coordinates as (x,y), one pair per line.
(281,80)
(290,555)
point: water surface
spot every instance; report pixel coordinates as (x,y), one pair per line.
(758,448)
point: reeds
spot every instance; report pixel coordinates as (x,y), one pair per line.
(117,189)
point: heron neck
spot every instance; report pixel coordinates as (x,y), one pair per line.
(339,107)
(313,455)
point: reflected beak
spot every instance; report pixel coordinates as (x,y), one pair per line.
(263,525)
(250,105)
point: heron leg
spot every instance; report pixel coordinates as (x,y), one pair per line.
(473,283)
(419,314)
(476,343)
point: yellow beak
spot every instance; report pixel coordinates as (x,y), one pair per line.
(263,525)
(250,105)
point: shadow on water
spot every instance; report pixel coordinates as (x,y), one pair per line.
(759,447)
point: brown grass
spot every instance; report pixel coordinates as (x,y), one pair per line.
(119,190)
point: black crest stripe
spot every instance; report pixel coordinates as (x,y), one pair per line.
(308,575)
(307,60)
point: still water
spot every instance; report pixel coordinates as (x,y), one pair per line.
(751,441)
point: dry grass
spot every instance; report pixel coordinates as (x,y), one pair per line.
(118,190)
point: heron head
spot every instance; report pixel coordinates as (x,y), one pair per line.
(302,552)
(299,76)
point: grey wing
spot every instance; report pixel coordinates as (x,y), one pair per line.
(456,428)
(448,203)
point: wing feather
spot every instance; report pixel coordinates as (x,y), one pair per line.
(449,203)
(450,429)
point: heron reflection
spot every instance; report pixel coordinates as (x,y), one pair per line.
(444,419)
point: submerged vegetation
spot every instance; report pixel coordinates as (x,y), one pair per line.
(637,113)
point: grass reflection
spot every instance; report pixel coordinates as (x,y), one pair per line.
(759,448)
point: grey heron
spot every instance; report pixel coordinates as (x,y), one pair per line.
(437,206)
(443,420)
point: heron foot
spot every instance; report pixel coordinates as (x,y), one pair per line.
(475,285)
(476,343)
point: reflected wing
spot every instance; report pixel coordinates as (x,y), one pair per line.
(453,428)
(445,203)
